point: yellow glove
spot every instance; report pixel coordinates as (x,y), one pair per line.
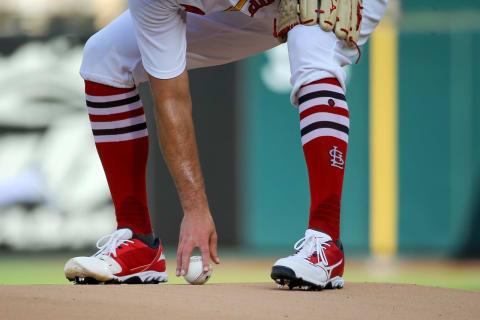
(342,16)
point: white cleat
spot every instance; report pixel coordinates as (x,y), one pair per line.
(317,264)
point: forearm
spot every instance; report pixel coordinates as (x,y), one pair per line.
(176,132)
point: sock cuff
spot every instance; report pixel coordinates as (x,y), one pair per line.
(98,89)
(116,114)
(323,111)
(332,81)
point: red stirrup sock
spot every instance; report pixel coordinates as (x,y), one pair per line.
(324,124)
(121,137)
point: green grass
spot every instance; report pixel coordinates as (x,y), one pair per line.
(32,271)
(16,270)
(464,276)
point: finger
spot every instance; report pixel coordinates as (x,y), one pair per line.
(187,251)
(342,26)
(355,21)
(328,14)
(179,259)
(205,257)
(213,248)
(308,12)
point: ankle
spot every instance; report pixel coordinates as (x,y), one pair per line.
(148,239)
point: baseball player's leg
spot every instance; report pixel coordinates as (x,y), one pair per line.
(132,253)
(316,61)
(118,121)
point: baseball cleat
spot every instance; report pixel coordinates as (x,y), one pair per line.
(317,264)
(120,259)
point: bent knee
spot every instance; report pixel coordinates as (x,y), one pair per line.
(93,49)
(108,61)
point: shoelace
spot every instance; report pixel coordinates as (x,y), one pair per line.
(110,246)
(305,246)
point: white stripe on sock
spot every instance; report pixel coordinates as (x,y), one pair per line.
(324,132)
(324,116)
(119,123)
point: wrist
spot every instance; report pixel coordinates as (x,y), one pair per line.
(196,214)
(198,210)
(194,202)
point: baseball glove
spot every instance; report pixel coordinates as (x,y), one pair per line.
(342,16)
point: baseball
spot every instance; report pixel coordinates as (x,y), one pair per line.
(195,273)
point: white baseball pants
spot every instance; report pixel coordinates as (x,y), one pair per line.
(112,57)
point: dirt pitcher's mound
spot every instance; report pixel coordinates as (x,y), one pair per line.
(236,301)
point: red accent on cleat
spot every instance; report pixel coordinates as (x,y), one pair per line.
(138,257)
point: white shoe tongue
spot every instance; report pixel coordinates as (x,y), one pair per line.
(314,233)
(123,234)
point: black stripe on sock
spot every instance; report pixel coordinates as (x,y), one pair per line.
(324,124)
(321,94)
(104,132)
(112,104)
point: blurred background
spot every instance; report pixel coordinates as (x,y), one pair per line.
(411,204)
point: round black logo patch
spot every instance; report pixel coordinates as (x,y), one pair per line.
(331,102)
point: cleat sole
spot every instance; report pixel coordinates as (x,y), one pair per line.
(148,277)
(84,280)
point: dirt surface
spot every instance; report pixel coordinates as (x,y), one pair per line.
(236,301)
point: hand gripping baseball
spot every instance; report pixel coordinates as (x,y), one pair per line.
(196,231)
(344,17)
